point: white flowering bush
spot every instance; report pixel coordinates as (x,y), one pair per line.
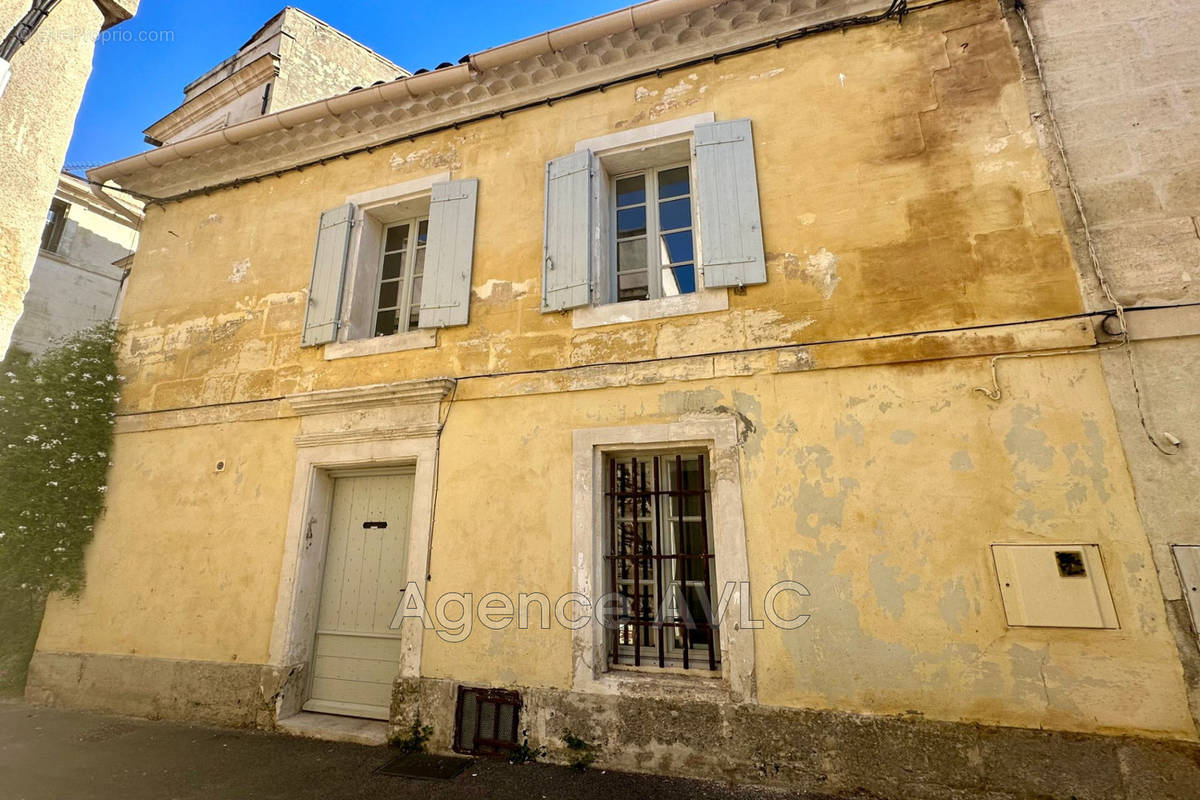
(56,428)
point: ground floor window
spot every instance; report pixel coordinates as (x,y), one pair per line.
(660,559)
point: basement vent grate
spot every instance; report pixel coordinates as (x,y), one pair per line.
(486,722)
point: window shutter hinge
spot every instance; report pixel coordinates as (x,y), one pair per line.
(721,141)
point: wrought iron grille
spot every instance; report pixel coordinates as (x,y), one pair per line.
(660,562)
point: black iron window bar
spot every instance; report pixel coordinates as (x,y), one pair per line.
(638,505)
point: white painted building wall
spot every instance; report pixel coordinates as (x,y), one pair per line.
(77,285)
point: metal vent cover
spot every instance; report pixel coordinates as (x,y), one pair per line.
(487,721)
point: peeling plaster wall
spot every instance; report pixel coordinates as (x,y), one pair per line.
(909,195)
(855,483)
(881,490)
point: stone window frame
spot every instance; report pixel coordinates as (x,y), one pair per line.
(718,436)
(362,285)
(650,146)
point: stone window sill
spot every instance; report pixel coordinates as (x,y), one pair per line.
(637,310)
(647,682)
(412,340)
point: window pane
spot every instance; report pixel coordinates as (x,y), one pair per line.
(673,182)
(393,266)
(419,267)
(675,214)
(632,286)
(700,610)
(386,323)
(396,238)
(631,222)
(389,294)
(679,280)
(692,479)
(631,255)
(415,306)
(631,191)
(676,247)
(422,232)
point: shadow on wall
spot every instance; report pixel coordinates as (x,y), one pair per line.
(20,621)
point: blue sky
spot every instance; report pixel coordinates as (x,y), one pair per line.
(135,83)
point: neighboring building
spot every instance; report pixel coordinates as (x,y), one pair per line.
(80,271)
(1124,89)
(293,59)
(696,301)
(37,114)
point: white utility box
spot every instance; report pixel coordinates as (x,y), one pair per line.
(1054,586)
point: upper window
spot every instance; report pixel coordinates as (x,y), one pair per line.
(56,221)
(653,214)
(655,244)
(660,561)
(402,267)
(413,247)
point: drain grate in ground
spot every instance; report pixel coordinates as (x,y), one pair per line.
(425,766)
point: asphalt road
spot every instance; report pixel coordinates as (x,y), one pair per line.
(50,754)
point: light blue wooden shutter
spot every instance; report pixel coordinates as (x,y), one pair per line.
(731,245)
(567,261)
(329,269)
(446,289)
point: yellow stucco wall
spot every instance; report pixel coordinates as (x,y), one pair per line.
(920,176)
(903,155)
(185,563)
(880,489)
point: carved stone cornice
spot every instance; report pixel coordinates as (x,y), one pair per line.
(370,435)
(379,395)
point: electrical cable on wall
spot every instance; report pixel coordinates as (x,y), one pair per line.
(897,10)
(19,35)
(1118,309)
(443,418)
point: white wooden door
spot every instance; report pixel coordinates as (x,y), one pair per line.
(356,655)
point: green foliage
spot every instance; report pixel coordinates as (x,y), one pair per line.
(523,753)
(56,429)
(20,620)
(56,423)
(579,753)
(416,739)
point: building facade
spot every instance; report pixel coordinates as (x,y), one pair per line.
(82,264)
(714,322)
(37,113)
